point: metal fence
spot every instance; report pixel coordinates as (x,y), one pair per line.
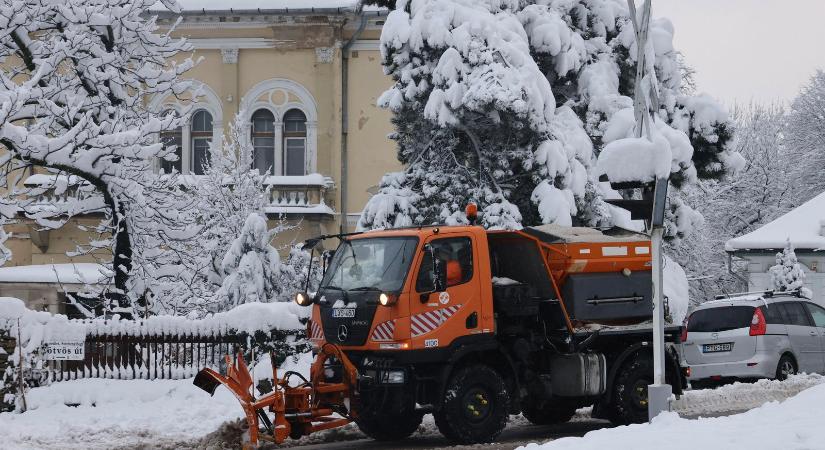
(146,357)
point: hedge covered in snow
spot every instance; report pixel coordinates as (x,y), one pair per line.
(264,327)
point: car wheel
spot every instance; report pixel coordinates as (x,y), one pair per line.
(475,408)
(785,368)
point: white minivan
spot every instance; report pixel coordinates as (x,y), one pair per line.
(767,335)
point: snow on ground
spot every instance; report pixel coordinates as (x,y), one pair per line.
(112,413)
(101,413)
(791,424)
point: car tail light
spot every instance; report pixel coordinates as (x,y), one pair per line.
(758,324)
(684,335)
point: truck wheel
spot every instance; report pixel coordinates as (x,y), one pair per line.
(475,407)
(548,413)
(630,391)
(389,427)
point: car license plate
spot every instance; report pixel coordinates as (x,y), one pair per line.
(343,312)
(715,348)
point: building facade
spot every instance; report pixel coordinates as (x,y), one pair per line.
(307,81)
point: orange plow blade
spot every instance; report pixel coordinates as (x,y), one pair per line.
(298,410)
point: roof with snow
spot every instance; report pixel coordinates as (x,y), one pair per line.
(804,226)
(80,273)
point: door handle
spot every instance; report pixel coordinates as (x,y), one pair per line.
(813,333)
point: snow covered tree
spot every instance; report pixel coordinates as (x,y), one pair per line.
(75,78)
(806,136)
(230,199)
(510,104)
(787,274)
(253,268)
(762,190)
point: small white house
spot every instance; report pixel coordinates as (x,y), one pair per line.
(805,226)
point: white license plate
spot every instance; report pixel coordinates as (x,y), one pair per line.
(343,312)
(715,348)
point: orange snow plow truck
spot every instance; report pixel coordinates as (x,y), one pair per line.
(469,325)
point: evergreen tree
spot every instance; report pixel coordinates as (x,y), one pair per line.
(787,274)
(252,267)
(510,103)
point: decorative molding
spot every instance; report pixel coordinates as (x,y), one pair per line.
(324,55)
(229,55)
(230,43)
(262,96)
(366,45)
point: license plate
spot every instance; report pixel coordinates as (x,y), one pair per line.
(343,312)
(715,348)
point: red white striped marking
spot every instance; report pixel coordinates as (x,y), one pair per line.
(428,321)
(315,331)
(384,331)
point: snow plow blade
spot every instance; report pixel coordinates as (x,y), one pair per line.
(206,381)
(298,410)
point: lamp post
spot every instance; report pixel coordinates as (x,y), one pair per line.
(645,100)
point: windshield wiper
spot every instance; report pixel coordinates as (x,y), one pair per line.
(365,288)
(333,288)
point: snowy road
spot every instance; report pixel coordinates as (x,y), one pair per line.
(164,414)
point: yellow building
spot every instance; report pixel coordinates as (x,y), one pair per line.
(306,78)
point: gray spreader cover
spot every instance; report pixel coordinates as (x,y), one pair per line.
(608,296)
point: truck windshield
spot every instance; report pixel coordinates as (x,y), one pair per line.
(371,264)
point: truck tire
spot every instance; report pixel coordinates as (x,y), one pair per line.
(475,406)
(389,427)
(630,391)
(548,413)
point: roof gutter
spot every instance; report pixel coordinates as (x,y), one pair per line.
(345,118)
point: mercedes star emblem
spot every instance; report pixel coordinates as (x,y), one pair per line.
(343,332)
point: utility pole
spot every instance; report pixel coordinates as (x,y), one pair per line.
(645,100)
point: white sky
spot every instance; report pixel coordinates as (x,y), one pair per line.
(744,50)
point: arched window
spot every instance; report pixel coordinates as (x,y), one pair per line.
(295,142)
(263,141)
(172,138)
(201,136)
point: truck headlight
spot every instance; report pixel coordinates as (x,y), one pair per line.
(387,299)
(303,299)
(392,377)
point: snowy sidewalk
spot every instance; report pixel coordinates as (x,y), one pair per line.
(792,424)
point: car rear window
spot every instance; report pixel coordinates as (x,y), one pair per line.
(720,319)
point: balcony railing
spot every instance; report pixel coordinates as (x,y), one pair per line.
(289,195)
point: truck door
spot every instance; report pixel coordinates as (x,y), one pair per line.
(446,292)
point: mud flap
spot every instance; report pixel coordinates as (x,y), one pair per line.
(206,381)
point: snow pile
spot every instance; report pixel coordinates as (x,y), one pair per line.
(742,396)
(114,412)
(803,226)
(676,289)
(792,424)
(38,326)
